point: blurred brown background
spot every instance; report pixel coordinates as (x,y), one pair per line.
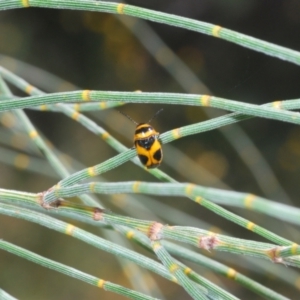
(96,51)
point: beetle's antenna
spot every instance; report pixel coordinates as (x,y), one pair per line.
(128,117)
(156,114)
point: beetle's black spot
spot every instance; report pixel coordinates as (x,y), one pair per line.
(143,159)
(157,155)
(146,143)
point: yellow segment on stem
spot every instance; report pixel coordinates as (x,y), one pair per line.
(91,171)
(101,283)
(176,133)
(29,87)
(130,234)
(120,8)
(216,31)
(249,200)
(25,3)
(86,95)
(69,229)
(231,273)
(33,134)
(205,100)
(250,226)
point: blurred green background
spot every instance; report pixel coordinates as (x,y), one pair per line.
(97,51)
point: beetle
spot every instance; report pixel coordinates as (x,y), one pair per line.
(146,142)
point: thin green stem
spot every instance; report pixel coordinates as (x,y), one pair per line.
(164,18)
(69,271)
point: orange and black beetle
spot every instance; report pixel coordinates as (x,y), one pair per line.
(147,144)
